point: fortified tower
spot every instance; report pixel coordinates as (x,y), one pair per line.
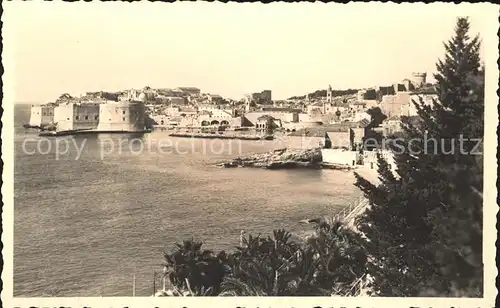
(419,79)
(125,116)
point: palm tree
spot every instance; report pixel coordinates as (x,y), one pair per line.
(190,267)
(328,263)
(258,265)
(341,257)
(331,262)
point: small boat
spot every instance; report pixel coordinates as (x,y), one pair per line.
(55,133)
(43,127)
(27,126)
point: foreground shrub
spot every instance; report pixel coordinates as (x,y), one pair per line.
(191,268)
(328,263)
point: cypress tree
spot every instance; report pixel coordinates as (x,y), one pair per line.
(424,225)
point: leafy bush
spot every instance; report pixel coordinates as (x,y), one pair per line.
(328,263)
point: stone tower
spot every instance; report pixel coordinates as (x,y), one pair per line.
(329,94)
(248,100)
(328,98)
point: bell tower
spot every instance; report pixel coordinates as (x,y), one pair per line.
(248,100)
(328,98)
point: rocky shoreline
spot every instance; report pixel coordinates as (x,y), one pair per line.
(279,159)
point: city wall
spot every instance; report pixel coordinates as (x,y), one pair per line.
(76,116)
(111,116)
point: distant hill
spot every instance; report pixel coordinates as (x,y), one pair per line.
(322,93)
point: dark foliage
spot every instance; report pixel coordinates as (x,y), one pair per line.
(377,116)
(425,221)
(331,262)
(201,268)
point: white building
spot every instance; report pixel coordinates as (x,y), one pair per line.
(359,116)
(214,117)
(41,115)
(74,116)
(217,113)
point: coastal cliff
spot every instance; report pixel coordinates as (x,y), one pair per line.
(279,159)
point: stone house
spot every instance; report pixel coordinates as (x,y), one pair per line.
(266,123)
(347,135)
(307,138)
(391,125)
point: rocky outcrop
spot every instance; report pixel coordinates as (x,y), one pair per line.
(279,159)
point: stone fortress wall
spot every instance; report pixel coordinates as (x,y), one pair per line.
(41,115)
(109,116)
(72,116)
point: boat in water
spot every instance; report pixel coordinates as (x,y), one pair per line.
(56,133)
(28,126)
(43,127)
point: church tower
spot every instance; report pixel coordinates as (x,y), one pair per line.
(248,100)
(328,98)
(329,94)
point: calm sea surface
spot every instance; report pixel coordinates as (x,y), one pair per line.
(83,226)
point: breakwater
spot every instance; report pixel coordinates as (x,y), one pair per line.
(220,136)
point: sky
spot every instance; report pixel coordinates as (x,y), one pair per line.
(228,49)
